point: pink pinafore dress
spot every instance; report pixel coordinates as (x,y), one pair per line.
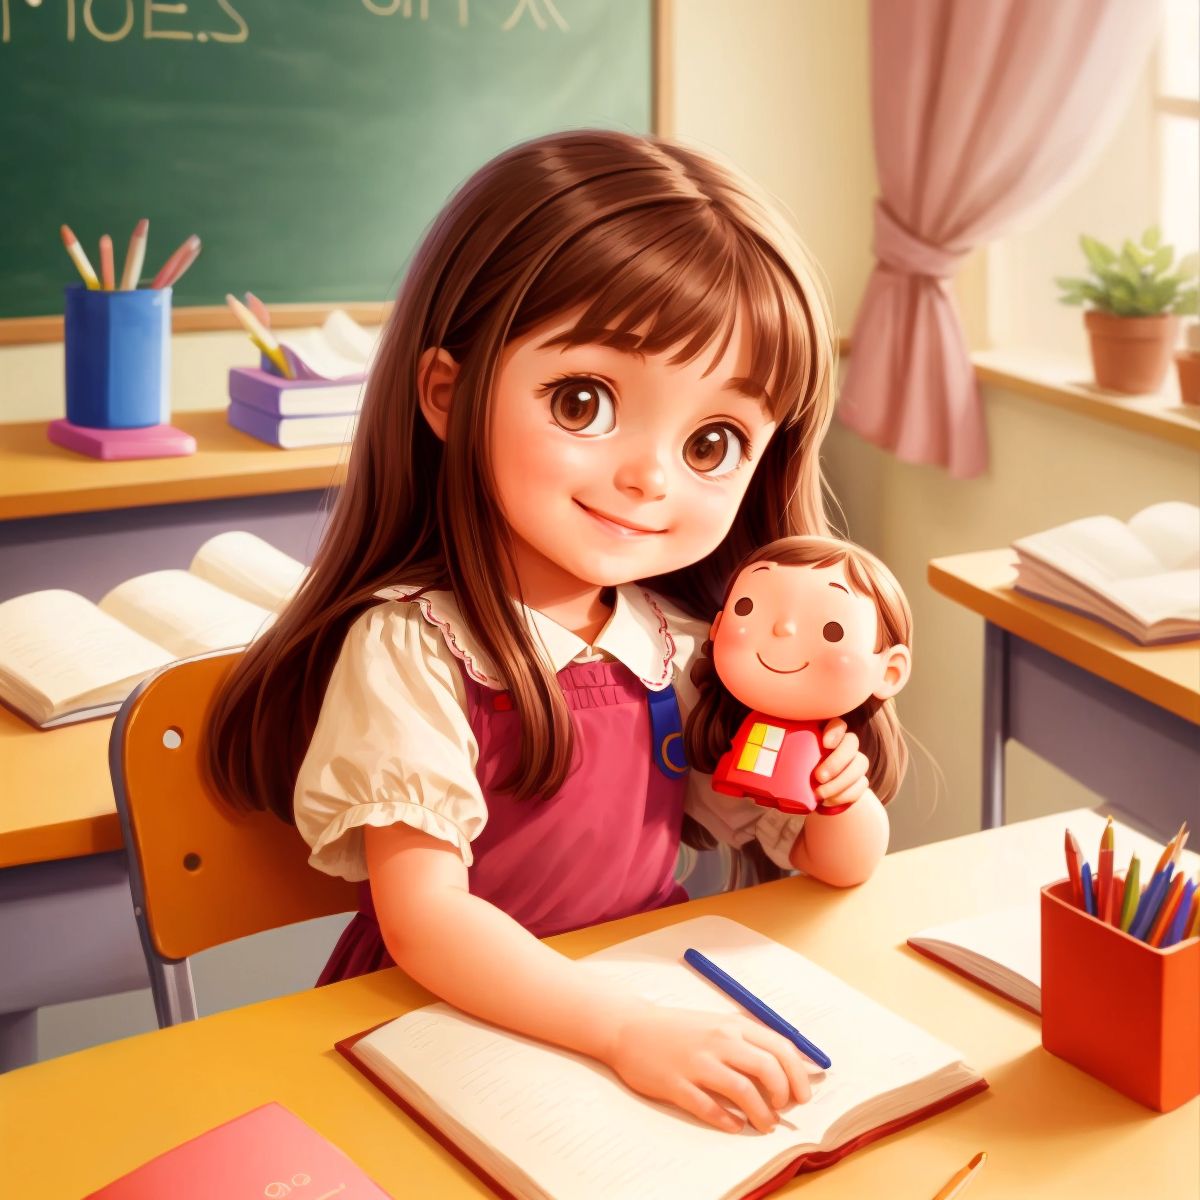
(603,847)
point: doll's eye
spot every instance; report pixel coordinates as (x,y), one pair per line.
(583,406)
(715,450)
(833,632)
(744,607)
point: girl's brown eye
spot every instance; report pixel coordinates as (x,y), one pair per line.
(583,406)
(715,450)
(833,632)
(744,607)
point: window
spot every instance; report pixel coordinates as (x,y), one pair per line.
(1177,115)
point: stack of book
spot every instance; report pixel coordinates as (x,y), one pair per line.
(317,404)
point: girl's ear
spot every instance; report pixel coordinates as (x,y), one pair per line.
(436,374)
(897,666)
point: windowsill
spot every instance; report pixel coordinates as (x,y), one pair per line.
(1067,383)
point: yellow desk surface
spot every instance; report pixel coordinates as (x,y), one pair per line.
(42,479)
(72,1124)
(57,799)
(1168,676)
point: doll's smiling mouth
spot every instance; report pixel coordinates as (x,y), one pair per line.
(793,671)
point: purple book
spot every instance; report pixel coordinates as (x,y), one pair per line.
(272,393)
(292,432)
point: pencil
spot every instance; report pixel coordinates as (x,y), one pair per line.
(262,337)
(106,263)
(1074,860)
(1089,893)
(1104,897)
(960,1179)
(1129,903)
(75,250)
(1147,909)
(190,250)
(168,269)
(1193,925)
(135,256)
(259,309)
(1166,913)
(1179,921)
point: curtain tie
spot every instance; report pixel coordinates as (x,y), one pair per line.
(900,250)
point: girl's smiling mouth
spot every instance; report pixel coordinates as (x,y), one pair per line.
(793,671)
(615,525)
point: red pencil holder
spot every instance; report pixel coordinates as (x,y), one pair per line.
(1125,1012)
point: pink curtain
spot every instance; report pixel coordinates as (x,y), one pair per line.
(982,109)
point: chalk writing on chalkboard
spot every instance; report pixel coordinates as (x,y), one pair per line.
(154,20)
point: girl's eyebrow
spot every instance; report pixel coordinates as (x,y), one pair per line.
(838,585)
(626,343)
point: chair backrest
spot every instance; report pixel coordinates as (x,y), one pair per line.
(202,873)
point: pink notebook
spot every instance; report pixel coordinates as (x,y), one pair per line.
(268,1152)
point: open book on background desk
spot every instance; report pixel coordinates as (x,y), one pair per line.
(537,1122)
(65,659)
(1141,577)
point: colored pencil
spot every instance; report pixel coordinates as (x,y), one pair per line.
(75,250)
(170,271)
(1074,861)
(959,1180)
(1104,896)
(107,277)
(1151,899)
(259,309)
(1089,894)
(1179,921)
(135,256)
(1129,902)
(261,337)
(1166,911)
(1192,928)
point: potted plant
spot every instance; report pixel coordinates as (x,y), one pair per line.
(1188,363)
(1136,298)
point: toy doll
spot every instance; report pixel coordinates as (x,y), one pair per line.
(811,628)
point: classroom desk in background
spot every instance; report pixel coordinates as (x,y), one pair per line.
(1049,1129)
(1122,718)
(66,521)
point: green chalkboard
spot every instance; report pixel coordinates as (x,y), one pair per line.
(309,143)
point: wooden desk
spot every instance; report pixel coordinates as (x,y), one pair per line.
(1049,1129)
(1120,717)
(68,521)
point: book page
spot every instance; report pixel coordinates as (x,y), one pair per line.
(1094,550)
(1171,530)
(1171,596)
(59,651)
(186,614)
(1009,937)
(247,566)
(566,1126)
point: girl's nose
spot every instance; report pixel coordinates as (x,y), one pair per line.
(643,477)
(784,627)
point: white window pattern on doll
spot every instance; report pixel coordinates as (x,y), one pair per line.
(761,750)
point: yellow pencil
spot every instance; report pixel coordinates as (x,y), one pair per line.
(961,1178)
(259,334)
(75,250)
(135,256)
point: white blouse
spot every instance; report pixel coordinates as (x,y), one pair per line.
(393,742)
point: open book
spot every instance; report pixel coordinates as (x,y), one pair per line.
(1141,577)
(539,1123)
(64,659)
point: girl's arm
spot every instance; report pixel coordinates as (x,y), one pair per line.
(473,955)
(843,849)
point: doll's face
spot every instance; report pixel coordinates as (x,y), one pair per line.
(797,642)
(610,466)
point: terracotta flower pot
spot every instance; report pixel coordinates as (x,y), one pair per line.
(1131,354)
(1189,376)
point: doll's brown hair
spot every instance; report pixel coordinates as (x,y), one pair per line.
(662,244)
(717,714)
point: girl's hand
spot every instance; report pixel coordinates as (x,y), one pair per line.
(843,771)
(699,1061)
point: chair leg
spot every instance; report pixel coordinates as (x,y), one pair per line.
(18,1039)
(174,995)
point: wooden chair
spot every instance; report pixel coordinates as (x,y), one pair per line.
(201,874)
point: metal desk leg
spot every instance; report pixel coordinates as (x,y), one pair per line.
(18,1039)
(995,723)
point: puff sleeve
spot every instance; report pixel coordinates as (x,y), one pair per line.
(392,743)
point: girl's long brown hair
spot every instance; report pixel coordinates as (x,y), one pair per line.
(644,235)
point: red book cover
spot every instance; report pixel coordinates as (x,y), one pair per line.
(268,1152)
(812,1161)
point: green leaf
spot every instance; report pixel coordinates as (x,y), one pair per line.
(1152,237)
(1189,265)
(1134,256)
(1097,253)
(1186,303)
(1162,259)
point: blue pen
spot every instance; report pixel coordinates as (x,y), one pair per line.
(750,1002)
(1089,895)
(1175,929)
(1151,899)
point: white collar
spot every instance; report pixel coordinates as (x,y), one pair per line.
(636,635)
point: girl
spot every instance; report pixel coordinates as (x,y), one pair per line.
(809,626)
(605,380)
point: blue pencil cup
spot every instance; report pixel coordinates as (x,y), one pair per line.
(118,353)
